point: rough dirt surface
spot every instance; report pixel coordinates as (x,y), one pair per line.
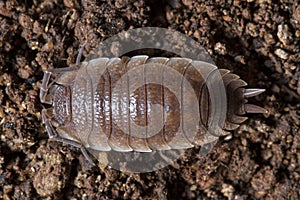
(259,40)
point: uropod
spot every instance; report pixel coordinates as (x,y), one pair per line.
(142,104)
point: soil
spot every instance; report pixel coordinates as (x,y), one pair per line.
(258,40)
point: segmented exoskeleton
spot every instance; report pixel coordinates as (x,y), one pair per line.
(143,104)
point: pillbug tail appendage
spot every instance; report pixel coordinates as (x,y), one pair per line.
(250,108)
(253,92)
(237,100)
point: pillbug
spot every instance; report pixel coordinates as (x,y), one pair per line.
(142,104)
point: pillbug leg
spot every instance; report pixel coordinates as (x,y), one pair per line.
(206,148)
(53,135)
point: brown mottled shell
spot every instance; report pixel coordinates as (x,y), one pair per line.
(145,104)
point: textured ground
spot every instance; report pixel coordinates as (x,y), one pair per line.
(259,40)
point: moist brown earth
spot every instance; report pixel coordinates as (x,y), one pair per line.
(258,40)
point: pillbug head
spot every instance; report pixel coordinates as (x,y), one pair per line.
(61,103)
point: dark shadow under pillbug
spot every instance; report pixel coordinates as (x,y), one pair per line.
(143,104)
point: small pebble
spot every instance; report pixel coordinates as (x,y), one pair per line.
(284,35)
(220,48)
(281,54)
